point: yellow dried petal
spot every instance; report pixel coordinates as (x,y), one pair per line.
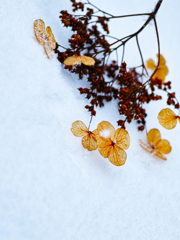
(122,138)
(89,142)
(73,60)
(160,155)
(163,146)
(50,38)
(146,147)
(106,130)
(153,136)
(179,118)
(48,51)
(39,30)
(104,146)
(167,118)
(89,61)
(150,64)
(162,60)
(117,156)
(79,129)
(165,70)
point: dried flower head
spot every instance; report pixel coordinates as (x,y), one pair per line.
(162,70)
(156,146)
(75,60)
(111,143)
(167,118)
(45,37)
(79,129)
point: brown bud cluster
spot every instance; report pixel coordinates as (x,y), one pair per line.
(108,80)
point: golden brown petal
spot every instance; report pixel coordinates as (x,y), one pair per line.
(162,60)
(79,129)
(153,136)
(50,38)
(89,142)
(104,146)
(89,61)
(48,51)
(117,156)
(163,146)
(122,138)
(160,155)
(73,60)
(146,147)
(39,30)
(106,130)
(150,64)
(167,118)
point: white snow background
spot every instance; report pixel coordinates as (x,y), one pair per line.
(51,188)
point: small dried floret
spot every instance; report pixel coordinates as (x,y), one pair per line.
(75,60)
(162,70)
(156,145)
(167,118)
(45,37)
(111,143)
(79,129)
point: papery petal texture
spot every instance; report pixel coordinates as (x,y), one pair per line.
(104,145)
(50,38)
(160,155)
(163,146)
(167,118)
(117,156)
(39,30)
(48,51)
(79,129)
(89,142)
(122,138)
(89,61)
(73,60)
(153,136)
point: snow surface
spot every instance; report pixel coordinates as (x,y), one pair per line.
(105,133)
(50,186)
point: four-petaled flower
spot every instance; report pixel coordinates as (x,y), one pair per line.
(162,70)
(156,146)
(111,143)
(45,37)
(79,129)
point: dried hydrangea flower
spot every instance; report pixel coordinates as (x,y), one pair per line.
(45,37)
(111,143)
(79,129)
(156,145)
(167,118)
(75,60)
(162,70)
